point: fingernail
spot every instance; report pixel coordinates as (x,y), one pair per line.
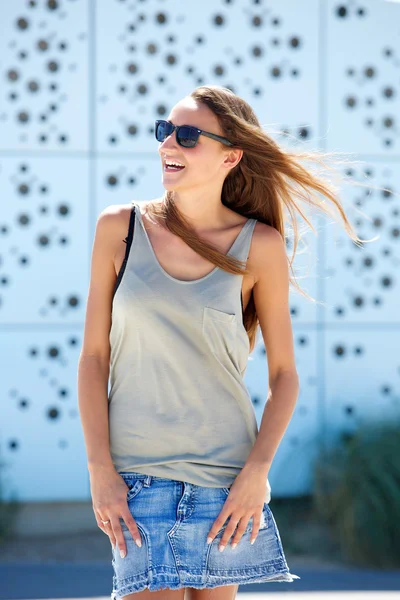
(252,541)
(209,540)
(138,543)
(122,553)
(234,545)
(221,548)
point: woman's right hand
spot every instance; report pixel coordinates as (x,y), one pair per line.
(109,491)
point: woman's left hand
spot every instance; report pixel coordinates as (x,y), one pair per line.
(246,499)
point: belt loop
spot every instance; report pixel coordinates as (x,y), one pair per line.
(148,480)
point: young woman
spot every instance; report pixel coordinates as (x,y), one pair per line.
(179,284)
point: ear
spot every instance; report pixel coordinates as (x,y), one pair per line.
(232,158)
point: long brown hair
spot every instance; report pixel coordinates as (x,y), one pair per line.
(264,185)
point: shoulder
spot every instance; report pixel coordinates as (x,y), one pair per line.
(114,219)
(112,227)
(115,213)
(268,250)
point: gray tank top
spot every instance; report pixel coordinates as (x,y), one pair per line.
(178,404)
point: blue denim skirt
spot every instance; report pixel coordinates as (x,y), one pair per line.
(174,518)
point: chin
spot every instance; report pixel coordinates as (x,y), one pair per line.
(169,185)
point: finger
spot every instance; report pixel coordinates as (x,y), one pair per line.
(112,538)
(105,527)
(218,523)
(227,534)
(255,529)
(239,533)
(120,540)
(133,528)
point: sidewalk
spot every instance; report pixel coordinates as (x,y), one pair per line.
(79,566)
(29,580)
(25,581)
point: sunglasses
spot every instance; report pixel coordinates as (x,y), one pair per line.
(186,135)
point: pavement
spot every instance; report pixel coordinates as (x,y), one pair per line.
(27,580)
(79,566)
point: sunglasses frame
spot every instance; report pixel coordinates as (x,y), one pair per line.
(176,128)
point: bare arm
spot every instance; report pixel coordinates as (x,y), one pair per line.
(271,298)
(108,488)
(93,366)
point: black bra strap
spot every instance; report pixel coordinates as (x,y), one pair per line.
(128,239)
(128,242)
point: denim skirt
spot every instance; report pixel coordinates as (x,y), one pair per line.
(174,518)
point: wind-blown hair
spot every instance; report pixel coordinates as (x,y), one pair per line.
(266,185)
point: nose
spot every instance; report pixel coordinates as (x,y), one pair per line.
(169,142)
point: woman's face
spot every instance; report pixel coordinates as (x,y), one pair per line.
(204,164)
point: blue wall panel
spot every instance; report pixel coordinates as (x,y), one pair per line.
(81,85)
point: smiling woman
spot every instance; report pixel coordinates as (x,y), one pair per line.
(178,466)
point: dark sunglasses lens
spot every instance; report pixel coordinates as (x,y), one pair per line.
(163,130)
(188,136)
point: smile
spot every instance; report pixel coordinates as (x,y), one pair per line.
(171,169)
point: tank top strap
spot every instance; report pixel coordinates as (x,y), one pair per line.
(241,246)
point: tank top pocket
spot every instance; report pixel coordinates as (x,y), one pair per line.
(220,332)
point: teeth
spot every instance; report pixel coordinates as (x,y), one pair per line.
(171,164)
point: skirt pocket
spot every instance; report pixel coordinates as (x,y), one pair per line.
(134,484)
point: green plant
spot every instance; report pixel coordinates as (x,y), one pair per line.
(357,491)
